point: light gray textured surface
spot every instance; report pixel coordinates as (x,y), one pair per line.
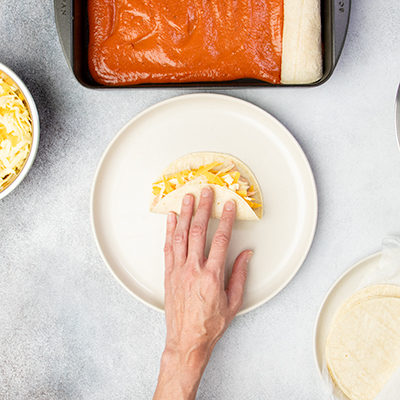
(68,330)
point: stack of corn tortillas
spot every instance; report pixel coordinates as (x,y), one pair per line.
(363,347)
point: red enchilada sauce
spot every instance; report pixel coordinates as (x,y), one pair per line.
(158,41)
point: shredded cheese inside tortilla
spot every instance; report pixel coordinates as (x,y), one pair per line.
(15,133)
(225,175)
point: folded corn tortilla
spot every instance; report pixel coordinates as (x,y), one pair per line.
(173,200)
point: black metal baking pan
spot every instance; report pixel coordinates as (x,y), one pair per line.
(72,25)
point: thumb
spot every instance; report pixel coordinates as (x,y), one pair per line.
(237,281)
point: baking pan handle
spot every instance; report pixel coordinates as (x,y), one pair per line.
(341,21)
(63,15)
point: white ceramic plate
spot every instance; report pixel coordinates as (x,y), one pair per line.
(340,291)
(131,239)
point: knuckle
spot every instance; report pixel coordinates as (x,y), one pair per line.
(197,230)
(186,211)
(212,278)
(221,239)
(168,249)
(190,275)
(219,325)
(204,204)
(242,274)
(179,237)
(225,218)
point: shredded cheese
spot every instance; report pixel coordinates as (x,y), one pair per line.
(15,133)
(215,173)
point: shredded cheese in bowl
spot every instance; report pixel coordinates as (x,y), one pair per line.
(15,133)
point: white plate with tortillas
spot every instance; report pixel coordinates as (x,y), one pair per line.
(357,334)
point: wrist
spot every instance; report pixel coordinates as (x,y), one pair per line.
(181,371)
(193,355)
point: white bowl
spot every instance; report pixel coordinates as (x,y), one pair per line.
(35,129)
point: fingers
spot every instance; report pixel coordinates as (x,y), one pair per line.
(180,240)
(222,237)
(169,242)
(198,229)
(237,281)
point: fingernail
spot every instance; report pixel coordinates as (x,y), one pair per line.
(229,205)
(171,216)
(187,199)
(206,192)
(249,255)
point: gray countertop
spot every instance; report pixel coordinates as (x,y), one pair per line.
(68,330)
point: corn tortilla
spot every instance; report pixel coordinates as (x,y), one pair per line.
(173,200)
(363,347)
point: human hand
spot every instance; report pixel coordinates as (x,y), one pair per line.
(198,308)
